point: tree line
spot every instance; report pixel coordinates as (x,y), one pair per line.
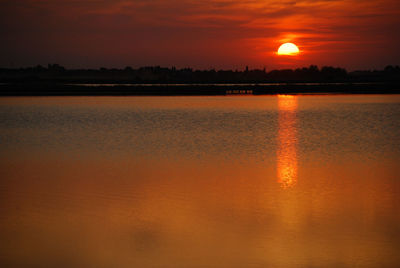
(156,74)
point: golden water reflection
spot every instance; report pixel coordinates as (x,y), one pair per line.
(287,141)
(96,207)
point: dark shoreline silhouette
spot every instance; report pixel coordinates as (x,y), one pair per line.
(55,80)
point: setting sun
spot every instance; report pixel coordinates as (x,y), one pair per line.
(288,49)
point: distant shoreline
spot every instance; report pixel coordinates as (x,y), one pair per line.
(55,80)
(58,89)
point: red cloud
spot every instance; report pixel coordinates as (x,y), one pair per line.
(220,33)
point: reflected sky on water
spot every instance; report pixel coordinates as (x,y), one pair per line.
(277,181)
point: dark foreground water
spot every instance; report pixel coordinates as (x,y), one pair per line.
(277,181)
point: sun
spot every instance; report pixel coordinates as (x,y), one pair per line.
(289,49)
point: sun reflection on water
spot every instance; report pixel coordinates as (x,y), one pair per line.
(287,141)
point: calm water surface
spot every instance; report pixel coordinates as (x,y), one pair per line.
(277,181)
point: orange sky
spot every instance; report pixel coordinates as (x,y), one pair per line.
(227,34)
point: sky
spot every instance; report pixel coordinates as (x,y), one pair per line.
(201,34)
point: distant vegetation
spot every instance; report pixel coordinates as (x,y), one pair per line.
(55,73)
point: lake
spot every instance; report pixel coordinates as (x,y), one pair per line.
(228,181)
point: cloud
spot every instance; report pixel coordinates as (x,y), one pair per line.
(149,26)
